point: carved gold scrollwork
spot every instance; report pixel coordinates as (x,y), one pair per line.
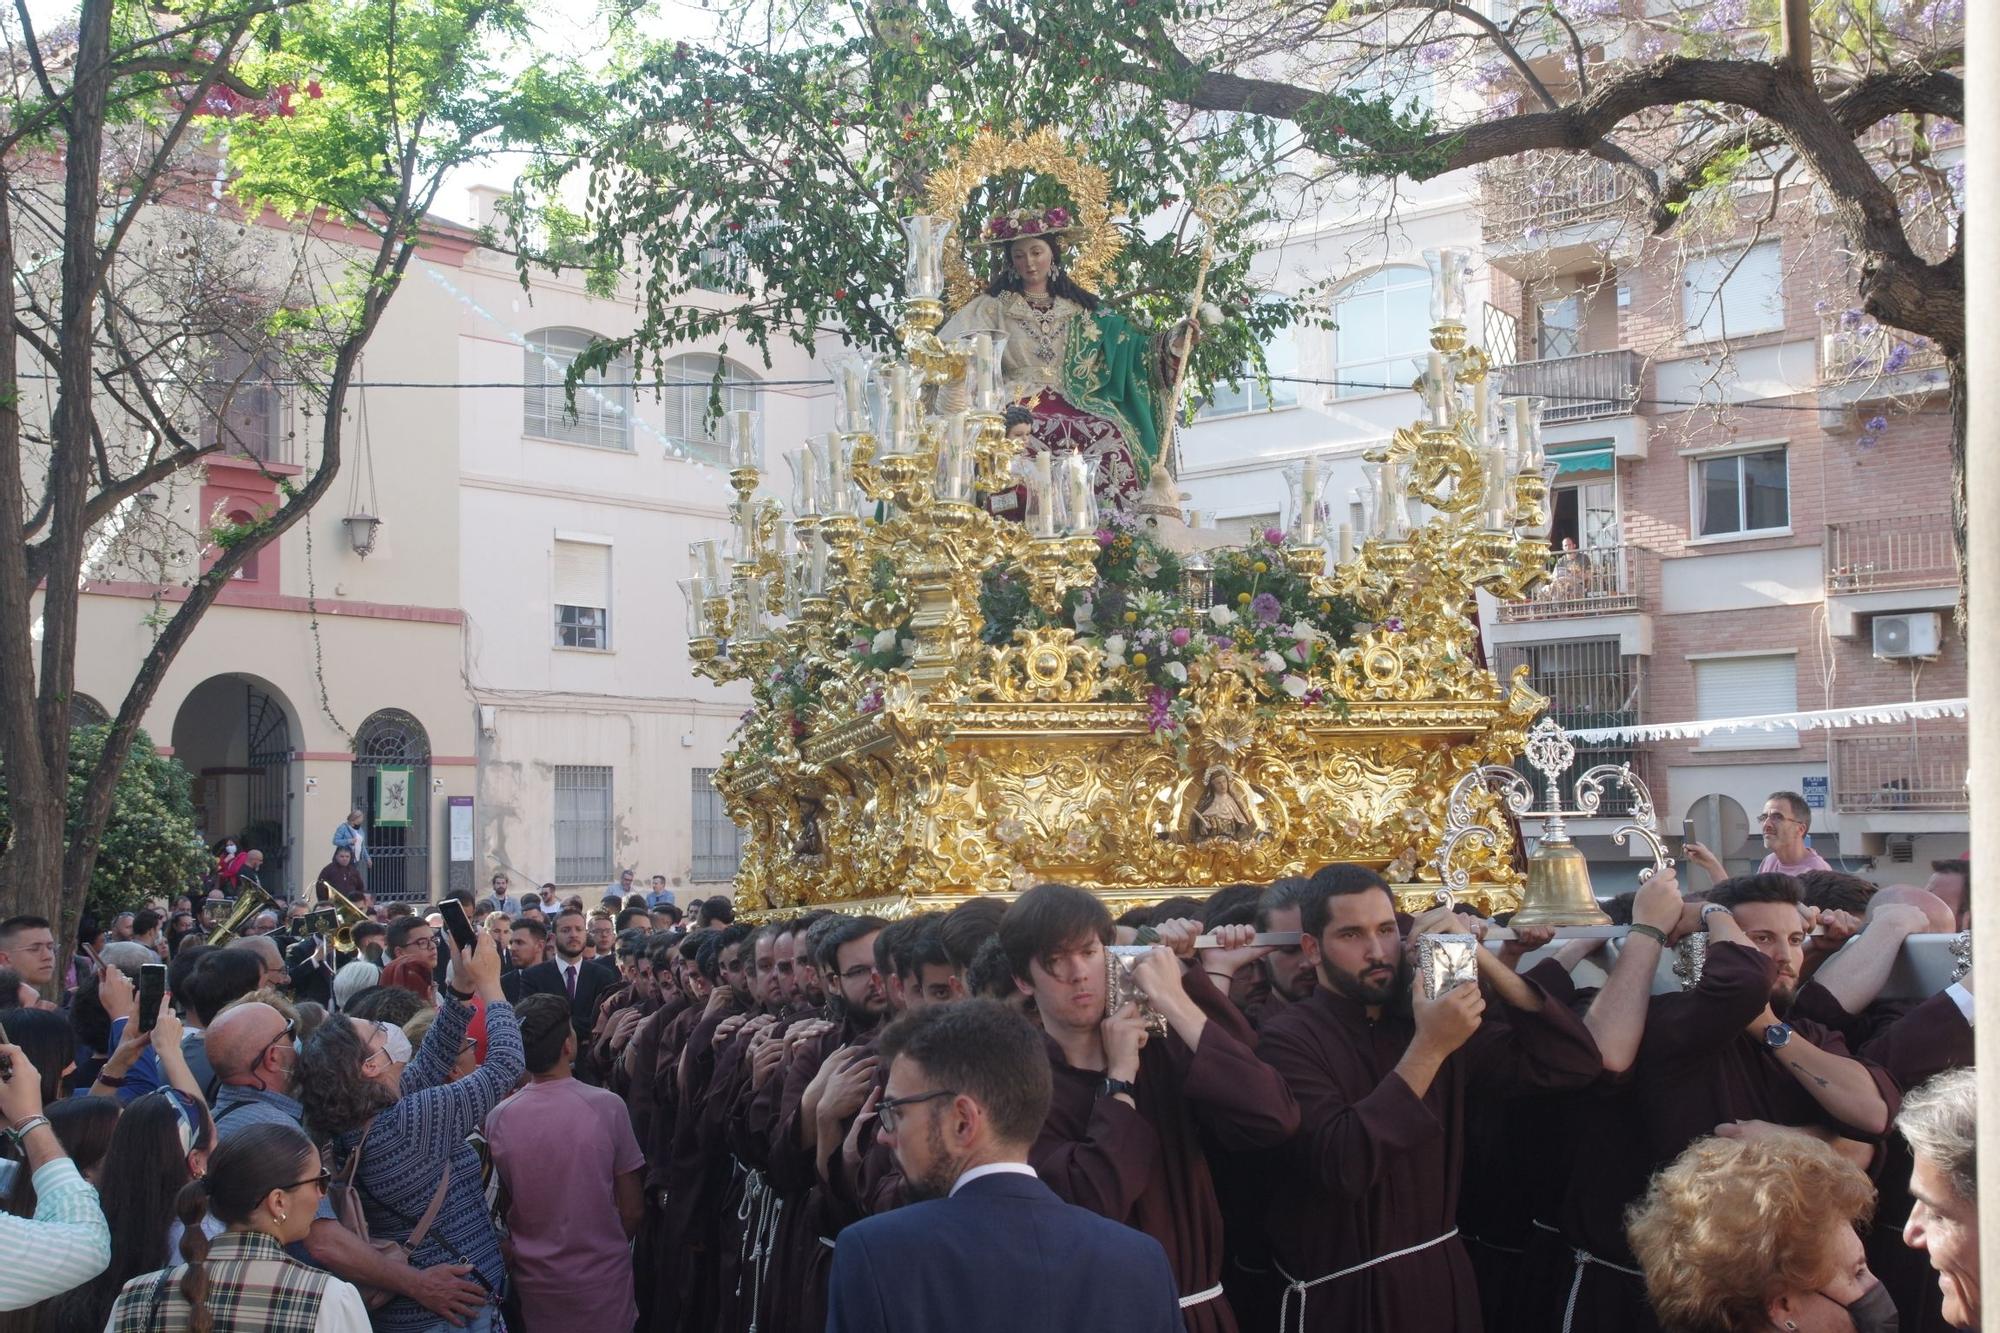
(1046,665)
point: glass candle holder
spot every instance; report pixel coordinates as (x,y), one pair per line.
(1496,506)
(1041,511)
(693,594)
(923,256)
(1076,495)
(1450,268)
(1305,482)
(739,432)
(710,565)
(1528,456)
(852,377)
(901,419)
(957,459)
(986,376)
(805,482)
(1392,507)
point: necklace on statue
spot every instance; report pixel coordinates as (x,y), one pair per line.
(1045,326)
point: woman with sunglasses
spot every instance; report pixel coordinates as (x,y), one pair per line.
(161,1146)
(264,1186)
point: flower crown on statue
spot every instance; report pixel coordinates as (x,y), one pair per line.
(1048,223)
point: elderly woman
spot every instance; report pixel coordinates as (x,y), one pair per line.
(408,1127)
(1756,1234)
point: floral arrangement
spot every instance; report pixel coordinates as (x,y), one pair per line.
(1021,222)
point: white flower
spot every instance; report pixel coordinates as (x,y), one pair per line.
(883,642)
(1304,631)
(1271,662)
(1177,671)
(1115,646)
(1295,686)
(1086,617)
(1222,616)
(1211,313)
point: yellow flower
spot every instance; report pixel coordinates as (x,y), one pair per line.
(1325,607)
(1138,659)
(1131,617)
(1261,567)
(1243,599)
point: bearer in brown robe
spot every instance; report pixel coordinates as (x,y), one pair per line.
(1362,1221)
(1123,1133)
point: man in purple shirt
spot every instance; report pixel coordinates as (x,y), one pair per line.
(1785,821)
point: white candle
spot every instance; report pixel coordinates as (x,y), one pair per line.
(1479,422)
(1309,500)
(1346,542)
(1045,514)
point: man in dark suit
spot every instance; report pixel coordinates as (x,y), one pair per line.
(992,1247)
(569,974)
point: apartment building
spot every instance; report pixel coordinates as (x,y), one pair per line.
(1751,501)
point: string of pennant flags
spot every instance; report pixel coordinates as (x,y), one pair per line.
(1807,720)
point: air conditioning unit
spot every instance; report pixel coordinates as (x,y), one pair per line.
(1913,635)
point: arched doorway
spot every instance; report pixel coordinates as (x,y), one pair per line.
(234,734)
(392,743)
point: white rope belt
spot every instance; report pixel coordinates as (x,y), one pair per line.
(824,1241)
(1295,1287)
(1200,1297)
(1584,1258)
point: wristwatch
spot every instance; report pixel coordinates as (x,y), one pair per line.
(1777,1034)
(1114,1086)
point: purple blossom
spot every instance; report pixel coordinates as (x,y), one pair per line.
(1266,609)
(1105,537)
(1875,425)
(1159,715)
(1220,642)
(1899,356)
(1720,16)
(1394,624)
(1181,635)
(1274,536)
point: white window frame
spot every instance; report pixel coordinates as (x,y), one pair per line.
(1696,537)
(1694,313)
(603,418)
(557,607)
(1417,279)
(596,871)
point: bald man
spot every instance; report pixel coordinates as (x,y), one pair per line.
(1939,918)
(250,1048)
(276,975)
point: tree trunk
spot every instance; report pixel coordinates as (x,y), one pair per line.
(1956,365)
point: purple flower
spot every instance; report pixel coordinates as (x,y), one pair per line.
(1274,536)
(1181,636)
(1158,706)
(1394,624)
(1266,609)
(1058,216)
(1899,356)
(1105,537)
(1875,425)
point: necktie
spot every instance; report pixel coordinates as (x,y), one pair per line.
(569,980)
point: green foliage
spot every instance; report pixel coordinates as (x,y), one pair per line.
(1373,136)
(150,847)
(772,174)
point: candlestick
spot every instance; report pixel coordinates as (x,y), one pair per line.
(1041,497)
(740,431)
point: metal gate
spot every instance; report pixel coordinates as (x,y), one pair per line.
(399,855)
(268,800)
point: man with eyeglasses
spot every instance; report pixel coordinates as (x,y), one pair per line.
(1785,822)
(255,1057)
(989,1246)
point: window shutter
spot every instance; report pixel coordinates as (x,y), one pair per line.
(582,574)
(1731,292)
(1747,687)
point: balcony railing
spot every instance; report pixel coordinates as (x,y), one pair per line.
(1853,350)
(1578,388)
(1887,554)
(1603,580)
(1917,773)
(1536,193)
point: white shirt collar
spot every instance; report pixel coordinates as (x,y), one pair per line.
(991,1169)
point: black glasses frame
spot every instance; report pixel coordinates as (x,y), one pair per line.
(889,1108)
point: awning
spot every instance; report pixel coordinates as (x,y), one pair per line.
(1594,457)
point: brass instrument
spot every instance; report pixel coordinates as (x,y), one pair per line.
(250,900)
(350,917)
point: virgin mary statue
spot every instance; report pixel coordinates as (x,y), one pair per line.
(1095,383)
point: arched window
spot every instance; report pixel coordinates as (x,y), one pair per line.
(247,571)
(85,711)
(603,416)
(392,786)
(687,405)
(1381,331)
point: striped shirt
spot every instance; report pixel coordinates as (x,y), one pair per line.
(67,1237)
(414,1139)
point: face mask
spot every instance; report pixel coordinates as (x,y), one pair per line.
(229,847)
(1874,1312)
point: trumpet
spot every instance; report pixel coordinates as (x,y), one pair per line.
(350,917)
(250,900)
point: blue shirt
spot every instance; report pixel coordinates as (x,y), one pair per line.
(144,1075)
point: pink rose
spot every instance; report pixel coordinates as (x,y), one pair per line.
(1058,216)
(1275,536)
(1180,636)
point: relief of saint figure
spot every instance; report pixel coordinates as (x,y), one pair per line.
(1224,811)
